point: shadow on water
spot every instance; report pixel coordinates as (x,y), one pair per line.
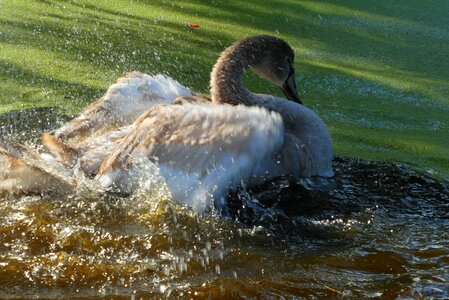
(358,186)
(372,217)
(105,37)
(115,42)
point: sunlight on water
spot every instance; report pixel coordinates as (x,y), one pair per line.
(374,230)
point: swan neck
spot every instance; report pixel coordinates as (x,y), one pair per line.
(227,79)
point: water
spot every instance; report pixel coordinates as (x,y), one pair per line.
(376,230)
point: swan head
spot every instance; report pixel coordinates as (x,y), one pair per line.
(274,61)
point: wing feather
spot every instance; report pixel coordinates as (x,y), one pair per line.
(123,102)
(216,145)
(24,171)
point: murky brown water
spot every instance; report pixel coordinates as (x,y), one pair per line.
(375,230)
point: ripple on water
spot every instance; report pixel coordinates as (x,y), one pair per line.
(374,230)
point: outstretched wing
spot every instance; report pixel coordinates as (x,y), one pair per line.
(201,149)
(123,103)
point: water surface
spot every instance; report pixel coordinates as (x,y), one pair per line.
(381,231)
(376,230)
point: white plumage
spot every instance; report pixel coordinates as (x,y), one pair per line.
(202,149)
(123,103)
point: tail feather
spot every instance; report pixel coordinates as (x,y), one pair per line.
(63,153)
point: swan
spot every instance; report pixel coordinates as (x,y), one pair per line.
(203,149)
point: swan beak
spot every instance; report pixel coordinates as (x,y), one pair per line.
(289,89)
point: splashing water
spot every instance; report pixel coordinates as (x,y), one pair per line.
(374,230)
(364,237)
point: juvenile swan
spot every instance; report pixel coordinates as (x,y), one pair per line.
(204,149)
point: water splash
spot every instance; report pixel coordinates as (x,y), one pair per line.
(373,230)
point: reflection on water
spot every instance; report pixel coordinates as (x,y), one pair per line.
(376,230)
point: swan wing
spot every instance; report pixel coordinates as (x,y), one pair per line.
(24,171)
(90,153)
(201,149)
(94,150)
(123,102)
(197,98)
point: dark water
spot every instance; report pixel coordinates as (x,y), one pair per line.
(376,230)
